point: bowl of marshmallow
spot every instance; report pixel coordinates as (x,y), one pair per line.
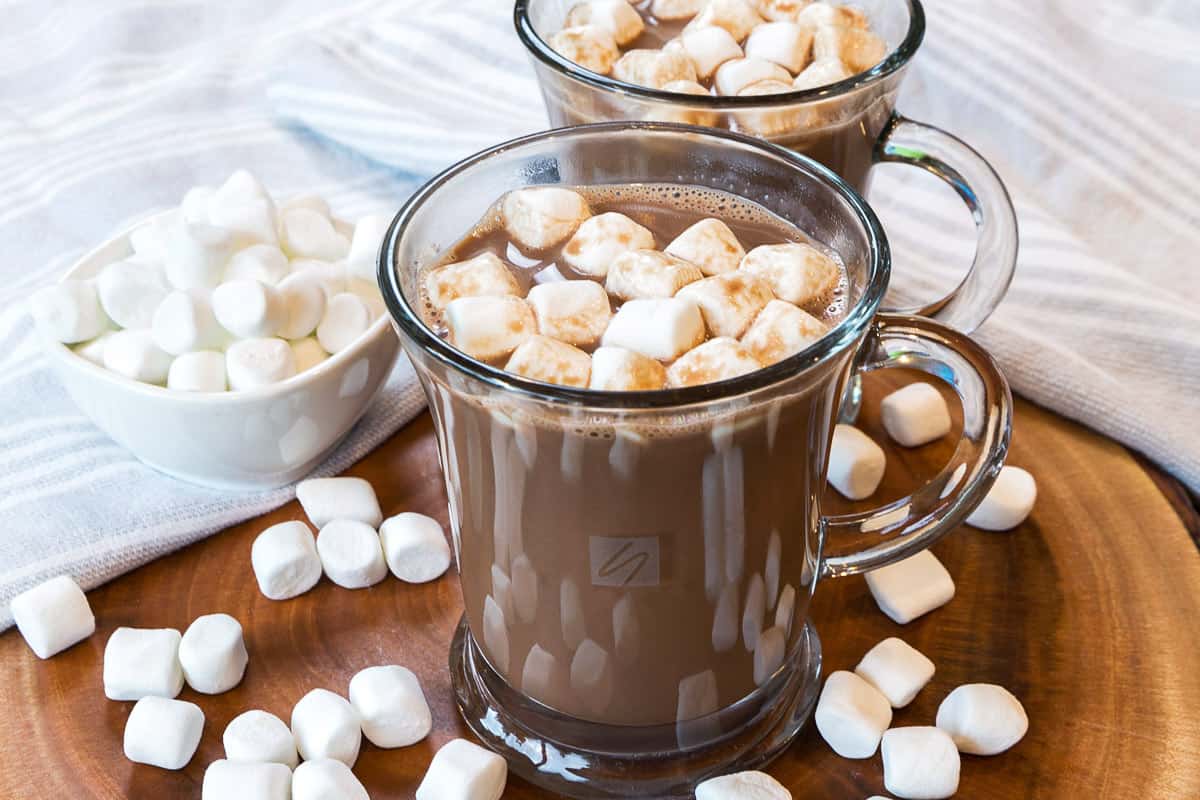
(230,342)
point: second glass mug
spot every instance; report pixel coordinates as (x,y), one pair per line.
(637,567)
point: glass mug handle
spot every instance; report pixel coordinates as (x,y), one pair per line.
(915,522)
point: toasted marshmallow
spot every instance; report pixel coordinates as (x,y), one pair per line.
(484,275)
(69,312)
(551,361)
(683,114)
(600,239)
(710,245)
(781,330)
(588,46)
(912,587)
(676,9)
(736,16)
(615,16)
(729,302)
(489,328)
(779,10)
(540,217)
(615,369)
(821,13)
(787,44)
(309,234)
(857,48)
(261,262)
(649,273)
(770,122)
(920,761)
(821,73)
(654,68)
(575,312)
(709,48)
(798,273)
(983,719)
(130,293)
(660,328)
(735,75)
(716,360)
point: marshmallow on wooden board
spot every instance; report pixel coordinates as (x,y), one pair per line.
(710,245)
(489,328)
(600,239)
(259,736)
(184,322)
(246,780)
(540,217)
(135,355)
(1008,503)
(248,308)
(639,274)
(856,463)
(709,48)
(330,275)
(541,358)
(285,560)
(346,318)
(53,615)
(212,654)
(485,275)
(779,10)
(197,254)
(857,48)
(716,360)
(327,499)
(462,770)
(391,705)
(130,292)
(659,328)
(654,69)
(365,244)
(676,9)
(820,73)
(415,547)
(796,272)
(748,785)
(575,312)
(736,16)
(307,352)
(615,16)
(325,725)
(781,330)
(787,44)
(260,262)
(326,779)
(589,46)
(851,715)
(351,554)
(983,719)
(735,75)
(616,369)
(729,302)
(163,733)
(920,763)
(309,234)
(142,662)
(912,587)
(915,415)
(303,301)
(897,669)
(254,363)
(69,312)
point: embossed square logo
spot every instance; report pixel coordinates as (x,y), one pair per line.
(624,561)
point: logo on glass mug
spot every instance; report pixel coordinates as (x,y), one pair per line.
(624,561)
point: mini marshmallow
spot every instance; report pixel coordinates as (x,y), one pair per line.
(798,273)
(615,369)
(303,302)
(363,261)
(163,733)
(769,122)
(735,75)
(615,16)
(135,355)
(285,560)
(588,46)
(575,312)
(461,770)
(351,554)
(676,9)
(769,653)
(983,719)
(212,654)
(489,328)
(912,587)
(325,725)
(780,10)
(346,318)
(149,240)
(920,763)
(130,292)
(781,330)
(308,234)
(915,415)
(852,715)
(307,352)
(249,308)
(259,736)
(654,69)
(600,239)
(53,615)
(897,669)
(391,705)
(736,16)
(246,780)
(93,351)
(648,273)
(307,200)
(194,206)
(856,463)
(415,547)
(142,662)
(729,302)
(660,328)
(550,361)
(1008,503)
(857,48)
(820,13)
(331,276)
(197,254)
(254,363)
(327,499)
(326,779)
(682,113)
(184,322)
(201,371)
(485,275)
(68,312)
(540,217)
(252,220)
(787,44)
(710,245)
(742,786)
(591,675)
(716,360)
(821,73)
(261,262)
(709,48)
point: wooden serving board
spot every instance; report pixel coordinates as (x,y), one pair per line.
(1089,612)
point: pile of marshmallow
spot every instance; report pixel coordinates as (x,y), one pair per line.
(740,47)
(701,310)
(228,292)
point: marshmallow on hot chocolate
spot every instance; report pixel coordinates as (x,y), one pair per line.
(735,75)
(461,770)
(484,275)
(391,705)
(600,239)
(659,328)
(676,9)
(736,16)
(616,369)
(920,762)
(325,725)
(654,69)
(729,302)
(851,715)
(246,780)
(575,312)
(69,312)
(780,10)
(716,360)
(589,46)
(819,73)
(130,292)
(261,262)
(197,254)
(856,463)
(212,654)
(285,560)
(488,328)
(309,234)
(781,330)
(140,662)
(915,415)
(710,245)
(787,44)
(260,736)
(1007,503)
(820,13)
(326,779)
(327,499)
(857,48)
(415,547)
(983,719)
(52,616)
(912,587)
(772,121)
(135,355)
(897,669)
(550,361)
(540,217)
(742,786)
(163,733)
(254,363)
(615,16)
(709,48)
(798,273)
(649,273)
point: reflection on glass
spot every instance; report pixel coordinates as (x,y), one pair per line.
(591,676)
(752,615)
(627,630)
(570,607)
(495,635)
(524,589)
(725,619)
(768,655)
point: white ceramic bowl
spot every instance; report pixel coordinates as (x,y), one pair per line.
(244,440)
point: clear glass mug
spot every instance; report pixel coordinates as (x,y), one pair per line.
(637,567)
(848,126)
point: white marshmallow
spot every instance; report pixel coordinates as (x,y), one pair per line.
(485,275)
(742,786)
(851,715)
(241,186)
(415,547)
(591,675)
(575,312)
(197,254)
(261,262)
(142,662)
(363,261)
(254,363)
(461,770)
(769,653)
(676,9)
(308,353)
(194,206)
(68,312)
(149,240)
(915,415)
(781,330)
(590,47)
(550,361)
(821,73)
(201,371)
(769,122)
(710,245)
(307,200)
(685,114)
(912,587)
(600,239)
(729,302)
(657,328)
(983,719)
(309,234)
(616,369)
(541,217)
(325,725)
(920,763)
(709,48)
(53,615)
(346,319)
(780,10)
(351,554)
(259,736)
(1008,503)
(303,302)
(246,780)
(798,273)
(135,355)
(736,16)
(249,308)
(93,351)
(856,463)
(326,779)
(489,328)
(638,274)
(163,733)
(285,560)
(327,499)
(331,276)
(391,705)
(129,293)
(734,76)
(716,360)
(251,220)
(654,69)
(787,44)
(897,669)
(212,654)
(615,16)
(858,49)
(184,322)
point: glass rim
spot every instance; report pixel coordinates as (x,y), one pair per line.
(859,316)
(897,58)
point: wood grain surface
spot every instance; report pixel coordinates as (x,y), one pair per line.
(1088,613)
